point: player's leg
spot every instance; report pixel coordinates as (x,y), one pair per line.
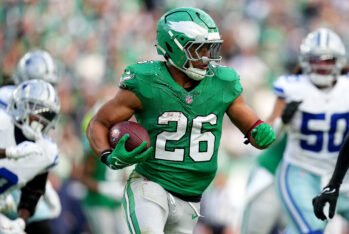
(106,220)
(261,201)
(182,217)
(145,205)
(266,205)
(296,188)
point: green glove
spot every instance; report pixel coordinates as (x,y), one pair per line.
(263,135)
(120,157)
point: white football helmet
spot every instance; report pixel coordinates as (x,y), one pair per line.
(34,107)
(36,65)
(322,56)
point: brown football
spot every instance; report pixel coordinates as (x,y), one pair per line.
(137,133)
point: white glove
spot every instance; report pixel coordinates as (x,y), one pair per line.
(8,226)
(23,149)
(32,131)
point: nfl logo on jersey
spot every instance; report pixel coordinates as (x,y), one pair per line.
(189,99)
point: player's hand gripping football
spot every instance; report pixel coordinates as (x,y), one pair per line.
(329,194)
(120,157)
(289,111)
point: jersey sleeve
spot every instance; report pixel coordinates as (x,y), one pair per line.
(230,81)
(290,87)
(128,79)
(137,78)
(280,87)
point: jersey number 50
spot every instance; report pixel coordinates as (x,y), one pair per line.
(332,139)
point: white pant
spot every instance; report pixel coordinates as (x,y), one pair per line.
(262,211)
(106,220)
(151,209)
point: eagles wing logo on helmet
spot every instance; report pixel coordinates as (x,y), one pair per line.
(189,28)
(193,30)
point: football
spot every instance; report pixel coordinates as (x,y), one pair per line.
(137,133)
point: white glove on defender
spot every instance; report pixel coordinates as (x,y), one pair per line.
(8,226)
(23,149)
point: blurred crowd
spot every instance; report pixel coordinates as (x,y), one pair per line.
(93,41)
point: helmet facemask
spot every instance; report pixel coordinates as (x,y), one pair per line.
(34,108)
(195,52)
(188,38)
(322,57)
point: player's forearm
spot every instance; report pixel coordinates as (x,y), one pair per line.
(342,164)
(97,135)
(24,214)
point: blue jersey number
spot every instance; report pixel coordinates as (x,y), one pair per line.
(317,145)
(7,179)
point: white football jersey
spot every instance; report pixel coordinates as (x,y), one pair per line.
(320,125)
(6,95)
(16,173)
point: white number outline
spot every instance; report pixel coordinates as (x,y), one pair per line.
(197,135)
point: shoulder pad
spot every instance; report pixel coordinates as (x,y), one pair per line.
(284,84)
(225,73)
(291,78)
(144,68)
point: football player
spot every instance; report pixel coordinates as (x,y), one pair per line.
(25,150)
(102,203)
(330,192)
(317,129)
(261,198)
(36,64)
(181,102)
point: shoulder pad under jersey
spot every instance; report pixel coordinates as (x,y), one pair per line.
(148,67)
(225,73)
(283,83)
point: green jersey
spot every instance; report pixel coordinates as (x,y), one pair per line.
(184,126)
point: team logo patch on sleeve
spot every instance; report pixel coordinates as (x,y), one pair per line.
(126,76)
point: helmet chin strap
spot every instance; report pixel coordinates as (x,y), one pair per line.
(191,72)
(195,73)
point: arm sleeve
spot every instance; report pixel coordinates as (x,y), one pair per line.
(32,192)
(342,164)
